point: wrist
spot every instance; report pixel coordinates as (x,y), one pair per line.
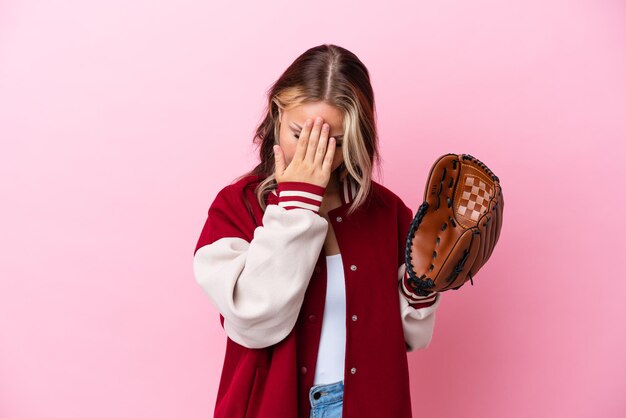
(416,301)
(300,195)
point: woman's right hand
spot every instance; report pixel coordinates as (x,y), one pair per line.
(312,159)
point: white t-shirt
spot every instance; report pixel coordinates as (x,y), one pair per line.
(332,349)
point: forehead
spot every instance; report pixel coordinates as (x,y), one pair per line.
(331,115)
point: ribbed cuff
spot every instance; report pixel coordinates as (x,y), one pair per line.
(300,195)
(414,300)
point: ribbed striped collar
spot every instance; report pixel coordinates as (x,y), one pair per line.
(348,190)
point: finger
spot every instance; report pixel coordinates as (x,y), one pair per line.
(493,230)
(279,161)
(499,211)
(313,139)
(330,155)
(496,216)
(321,146)
(303,140)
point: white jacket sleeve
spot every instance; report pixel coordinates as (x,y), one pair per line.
(417,312)
(258,285)
(418,316)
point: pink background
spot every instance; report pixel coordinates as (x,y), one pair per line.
(121,120)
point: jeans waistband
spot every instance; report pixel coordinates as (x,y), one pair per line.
(327,393)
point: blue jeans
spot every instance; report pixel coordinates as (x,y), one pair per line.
(326,400)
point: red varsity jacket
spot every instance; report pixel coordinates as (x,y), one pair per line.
(265,272)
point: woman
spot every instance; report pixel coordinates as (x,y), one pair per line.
(304,258)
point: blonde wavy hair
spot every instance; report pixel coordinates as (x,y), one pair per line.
(336,76)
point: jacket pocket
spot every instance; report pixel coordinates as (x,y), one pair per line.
(257,392)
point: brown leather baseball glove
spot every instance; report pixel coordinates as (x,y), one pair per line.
(457,227)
